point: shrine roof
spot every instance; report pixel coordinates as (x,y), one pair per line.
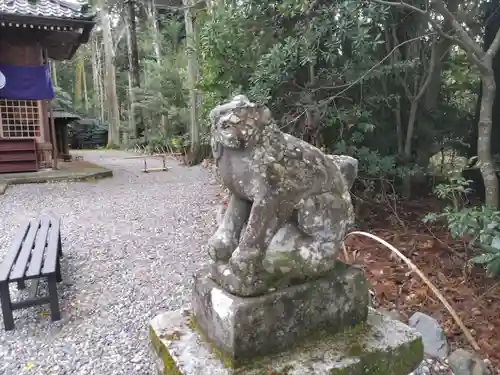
(62,9)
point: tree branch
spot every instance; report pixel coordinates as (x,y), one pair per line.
(329,100)
(473,50)
(464,35)
(432,66)
(401,4)
(494,47)
(397,75)
(196,5)
(404,5)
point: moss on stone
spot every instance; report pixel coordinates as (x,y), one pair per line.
(382,362)
(355,343)
(172,336)
(169,365)
(283,371)
(192,324)
(342,371)
(221,356)
(355,350)
(387,363)
(349,335)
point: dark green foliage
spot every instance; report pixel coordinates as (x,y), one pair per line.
(479,227)
(305,62)
(62,100)
(342,75)
(87,134)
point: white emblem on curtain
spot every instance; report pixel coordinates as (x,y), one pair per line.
(3,81)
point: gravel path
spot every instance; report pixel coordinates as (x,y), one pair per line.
(131,243)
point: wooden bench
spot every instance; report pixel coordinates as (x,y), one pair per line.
(162,157)
(34,254)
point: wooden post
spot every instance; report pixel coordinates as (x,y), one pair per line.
(53,139)
(65,145)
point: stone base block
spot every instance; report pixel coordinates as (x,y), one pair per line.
(245,327)
(380,346)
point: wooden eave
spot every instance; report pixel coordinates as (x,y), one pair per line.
(77,30)
(48,21)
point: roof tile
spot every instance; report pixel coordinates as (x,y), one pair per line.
(46,8)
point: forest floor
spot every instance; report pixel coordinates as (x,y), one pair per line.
(474,296)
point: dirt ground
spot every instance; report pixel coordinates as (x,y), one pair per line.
(473,295)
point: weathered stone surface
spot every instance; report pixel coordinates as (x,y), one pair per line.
(392,313)
(290,205)
(379,347)
(244,327)
(433,337)
(463,362)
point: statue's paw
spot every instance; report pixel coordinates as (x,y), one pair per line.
(219,254)
(220,248)
(246,262)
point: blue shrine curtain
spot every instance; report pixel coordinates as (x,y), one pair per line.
(25,82)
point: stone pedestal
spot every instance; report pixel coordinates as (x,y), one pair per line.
(323,326)
(245,327)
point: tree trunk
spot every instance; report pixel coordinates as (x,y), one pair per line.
(157,49)
(102,92)
(100,85)
(154,26)
(484,61)
(421,87)
(95,79)
(53,70)
(85,92)
(195,149)
(389,41)
(431,99)
(134,67)
(110,80)
(407,180)
(484,141)
(79,69)
(132,124)
(492,25)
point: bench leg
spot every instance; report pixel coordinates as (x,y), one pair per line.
(58,271)
(59,256)
(21,285)
(8,319)
(59,246)
(55,313)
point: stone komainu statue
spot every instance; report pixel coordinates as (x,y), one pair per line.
(290,206)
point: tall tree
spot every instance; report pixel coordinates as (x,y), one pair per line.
(484,62)
(491,26)
(98,100)
(152,15)
(193,71)
(110,78)
(134,66)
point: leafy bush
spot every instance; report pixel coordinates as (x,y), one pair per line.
(87,134)
(479,225)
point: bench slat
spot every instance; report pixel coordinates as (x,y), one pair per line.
(39,249)
(50,262)
(24,256)
(10,257)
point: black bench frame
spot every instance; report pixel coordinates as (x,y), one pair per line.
(34,254)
